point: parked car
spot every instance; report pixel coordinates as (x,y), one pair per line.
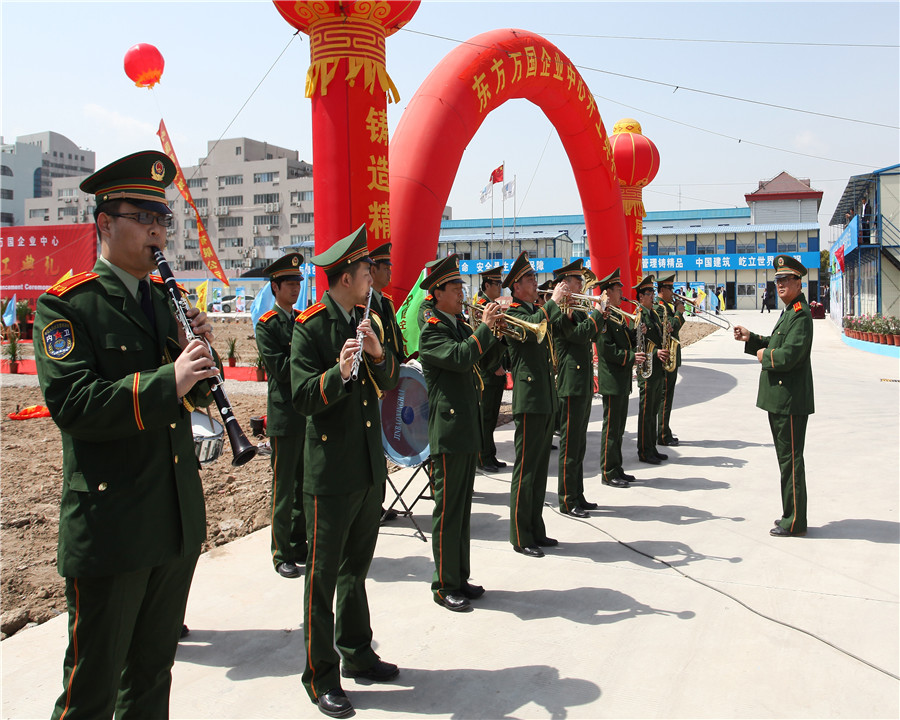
(228,303)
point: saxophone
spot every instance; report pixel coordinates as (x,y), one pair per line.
(668,342)
(645,346)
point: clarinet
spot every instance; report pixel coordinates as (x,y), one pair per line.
(243,449)
(354,370)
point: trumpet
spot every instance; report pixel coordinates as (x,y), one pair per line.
(577,301)
(509,326)
(702,314)
(619,316)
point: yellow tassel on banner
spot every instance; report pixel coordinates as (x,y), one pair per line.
(322,72)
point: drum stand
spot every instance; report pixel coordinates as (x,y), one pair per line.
(426,493)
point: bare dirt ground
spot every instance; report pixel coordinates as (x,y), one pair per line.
(237,499)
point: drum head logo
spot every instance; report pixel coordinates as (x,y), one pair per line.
(59,339)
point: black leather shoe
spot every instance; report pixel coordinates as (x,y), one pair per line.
(779,531)
(473,592)
(288,570)
(673,442)
(577,512)
(388,515)
(652,460)
(334,703)
(661,456)
(548,542)
(453,601)
(627,478)
(615,482)
(490,467)
(585,505)
(530,551)
(185,631)
(499,463)
(381,671)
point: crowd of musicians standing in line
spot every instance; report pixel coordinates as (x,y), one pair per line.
(121,370)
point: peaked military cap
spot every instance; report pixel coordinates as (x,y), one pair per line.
(520,268)
(670,281)
(494,273)
(343,253)
(286,267)
(610,280)
(573,268)
(381,254)
(444,271)
(140,178)
(786,265)
(645,283)
(547,285)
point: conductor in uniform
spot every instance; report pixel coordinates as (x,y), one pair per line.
(493,377)
(786,389)
(671,311)
(120,380)
(449,351)
(651,387)
(285,426)
(574,337)
(534,409)
(344,471)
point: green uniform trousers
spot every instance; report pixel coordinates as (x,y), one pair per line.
(491,398)
(575,412)
(341,531)
(454,481)
(615,413)
(648,412)
(666,397)
(123,634)
(789,435)
(288,526)
(533,437)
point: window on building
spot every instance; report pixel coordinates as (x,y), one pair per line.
(191,264)
(266,241)
(267,219)
(265,198)
(39,213)
(746,245)
(230,221)
(237,150)
(192,243)
(65,192)
(7,217)
(231,242)
(306,195)
(746,289)
(6,194)
(262,177)
(231,200)
(5,170)
(199,202)
(68,211)
(298,218)
(786,245)
(230,264)
(197,182)
(706,247)
(231,180)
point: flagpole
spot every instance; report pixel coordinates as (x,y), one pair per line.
(503,208)
(515,213)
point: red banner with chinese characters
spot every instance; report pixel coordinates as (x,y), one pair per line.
(34,257)
(207,253)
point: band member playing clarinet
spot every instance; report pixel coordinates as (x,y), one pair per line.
(344,471)
(650,385)
(449,352)
(120,379)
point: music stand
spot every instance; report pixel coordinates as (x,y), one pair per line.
(404,437)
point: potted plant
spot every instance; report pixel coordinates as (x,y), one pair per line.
(23,310)
(13,351)
(895,330)
(260,368)
(232,351)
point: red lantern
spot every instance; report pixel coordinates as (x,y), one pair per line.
(144,64)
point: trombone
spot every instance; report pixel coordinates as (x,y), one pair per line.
(703,314)
(509,326)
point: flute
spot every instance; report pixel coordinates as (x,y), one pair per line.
(243,449)
(354,370)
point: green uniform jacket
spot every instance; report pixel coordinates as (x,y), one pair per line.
(273,339)
(786,382)
(343,452)
(489,364)
(615,350)
(575,358)
(392,334)
(667,310)
(131,495)
(448,355)
(653,334)
(426,310)
(534,387)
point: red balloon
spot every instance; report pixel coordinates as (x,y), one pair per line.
(144,64)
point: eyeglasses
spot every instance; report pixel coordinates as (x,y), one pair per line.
(146,218)
(782,280)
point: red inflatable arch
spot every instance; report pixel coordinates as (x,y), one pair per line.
(446,112)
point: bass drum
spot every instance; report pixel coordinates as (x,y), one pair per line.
(404,418)
(209,437)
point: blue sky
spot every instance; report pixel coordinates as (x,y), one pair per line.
(62,71)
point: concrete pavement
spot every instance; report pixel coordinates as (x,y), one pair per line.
(672,600)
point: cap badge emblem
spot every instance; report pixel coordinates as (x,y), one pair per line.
(158,171)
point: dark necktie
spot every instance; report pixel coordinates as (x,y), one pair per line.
(146,302)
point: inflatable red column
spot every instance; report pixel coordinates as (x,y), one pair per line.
(637,162)
(349,87)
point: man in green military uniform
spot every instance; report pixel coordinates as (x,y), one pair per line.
(650,387)
(285,426)
(574,335)
(493,377)
(671,311)
(617,356)
(426,308)
(120,380)
(534,408)
(786,389)
(344,471)
(449,351)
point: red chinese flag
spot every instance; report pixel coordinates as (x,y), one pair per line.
(497,176)
(839,256)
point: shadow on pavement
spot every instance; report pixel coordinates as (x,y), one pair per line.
(686,484)
(672,514)
(249,654)
(879,531)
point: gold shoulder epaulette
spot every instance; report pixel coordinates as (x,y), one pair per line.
(433,320)
(63,286)
(309,312)
(159,281)
(515,304)
(267,316)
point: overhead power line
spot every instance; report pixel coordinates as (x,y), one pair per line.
(874,46)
